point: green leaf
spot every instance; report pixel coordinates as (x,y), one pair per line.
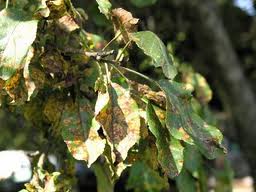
(170,151)
(143,3)
(144,179)
(185,182)
(104,7)
(103,175)
(183,123)
(155,48)
(195,166)
(18,31)
(79,131)
(118,114)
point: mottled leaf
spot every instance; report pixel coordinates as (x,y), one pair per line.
(18,31)
(119,116)
(143,3)
(104,7)
(79,131)
(183,123)
(155,48)
(170,151)
(143,179)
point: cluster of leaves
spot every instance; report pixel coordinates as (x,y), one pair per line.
(109,116)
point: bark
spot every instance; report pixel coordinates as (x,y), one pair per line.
(225,67)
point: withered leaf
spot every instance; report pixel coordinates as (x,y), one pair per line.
(124,23)
(67,23)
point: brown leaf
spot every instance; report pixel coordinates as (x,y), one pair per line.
(67,23)
(124,23)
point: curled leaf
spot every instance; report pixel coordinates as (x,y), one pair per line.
(124,23)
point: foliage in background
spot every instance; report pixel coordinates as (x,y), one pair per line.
(75,86)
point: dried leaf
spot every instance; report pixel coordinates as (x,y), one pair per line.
(124,23)
(67,23)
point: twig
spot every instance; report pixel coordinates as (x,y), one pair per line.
(97,55)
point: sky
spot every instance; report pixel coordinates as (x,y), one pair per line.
(246,5)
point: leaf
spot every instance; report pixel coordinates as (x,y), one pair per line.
(30,85)
(67,23)
(170,151)
(142,178)
(183,123)
(124,23)
(53,108)
(79,131)
(203,90)
(103,175)
(104,7)
(154,48)
(195,166)
(185,182)
(118,114)
(143,3)
(196,82)
(18,31)
(16,89)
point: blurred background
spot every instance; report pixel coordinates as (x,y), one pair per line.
(216,38)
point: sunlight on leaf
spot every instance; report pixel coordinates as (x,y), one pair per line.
(155,48)
(104,7)
(16,36)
